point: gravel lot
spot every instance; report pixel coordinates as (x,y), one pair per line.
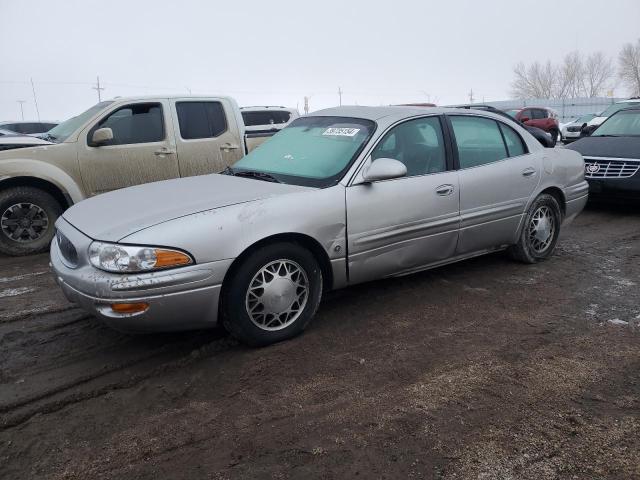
(485,369)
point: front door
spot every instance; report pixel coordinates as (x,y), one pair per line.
(142,149)
(497,177)
(400,225)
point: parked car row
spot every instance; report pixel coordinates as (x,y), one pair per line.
(27,128)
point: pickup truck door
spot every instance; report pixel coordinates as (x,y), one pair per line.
(401,225)
(142,149)
(207,135)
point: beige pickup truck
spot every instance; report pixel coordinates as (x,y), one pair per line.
(115,144)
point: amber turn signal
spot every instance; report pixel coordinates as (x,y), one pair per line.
(171,258)
(129,307)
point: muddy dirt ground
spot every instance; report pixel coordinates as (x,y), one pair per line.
(487,369)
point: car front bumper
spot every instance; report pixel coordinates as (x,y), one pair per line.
(624,188)
(183,298)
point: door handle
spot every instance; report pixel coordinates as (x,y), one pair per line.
(527,172)
(164,151)
(228,146)
(444,190)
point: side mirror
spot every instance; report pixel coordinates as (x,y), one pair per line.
(587,130)
(524,119)
(384,169)
(101,136)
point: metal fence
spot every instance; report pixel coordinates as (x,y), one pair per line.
(568,109)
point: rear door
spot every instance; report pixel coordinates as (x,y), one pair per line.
(141,151)
(403,224)
(208,137)
(497,177)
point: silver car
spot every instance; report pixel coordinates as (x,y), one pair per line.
(339,197)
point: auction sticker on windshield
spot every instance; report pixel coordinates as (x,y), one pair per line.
(341,132)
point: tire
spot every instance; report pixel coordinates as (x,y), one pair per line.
(532,247)
(257,319)
(554,137)
(35,235)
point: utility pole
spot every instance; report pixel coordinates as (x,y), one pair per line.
(340,95)
(306,105)
(471,99)
(35,100)
(21,102)
(98,88)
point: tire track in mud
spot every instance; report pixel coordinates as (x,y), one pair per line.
(53,399)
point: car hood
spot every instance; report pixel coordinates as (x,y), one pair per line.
(10,142)
(115,215)
(617,147)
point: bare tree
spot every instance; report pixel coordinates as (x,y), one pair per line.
(598,74)
(569,76)
(535,81)
(629,67)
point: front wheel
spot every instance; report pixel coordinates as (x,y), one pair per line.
(27,218)
(540,231)
(555,134)
(272,295)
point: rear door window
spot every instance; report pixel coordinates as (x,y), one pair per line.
(515,144)
(539,114)
(201,119)
(478,140)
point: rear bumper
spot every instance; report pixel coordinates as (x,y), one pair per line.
(183,298)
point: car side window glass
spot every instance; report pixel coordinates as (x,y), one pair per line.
(478,140)
(419,144)
(515,144)
(201,119)
(539,114)
(136,123)
(526,114)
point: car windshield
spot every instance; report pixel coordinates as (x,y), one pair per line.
(584,118)
(623,123)
(618,106)
(62,131)
(311,151)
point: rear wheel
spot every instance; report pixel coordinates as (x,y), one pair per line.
(272,295)
(540,231)
(27,218)
(554,137)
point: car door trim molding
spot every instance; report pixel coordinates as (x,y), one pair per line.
(481,215)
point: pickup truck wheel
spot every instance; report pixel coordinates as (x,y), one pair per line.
(272,295)
(27,218)
(540,231)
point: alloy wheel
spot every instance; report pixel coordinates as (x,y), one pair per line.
(24,222)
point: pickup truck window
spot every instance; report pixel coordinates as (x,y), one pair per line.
(201,119)
(311,151)
(270,117)
(135,123)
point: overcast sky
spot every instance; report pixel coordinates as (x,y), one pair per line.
(279,51)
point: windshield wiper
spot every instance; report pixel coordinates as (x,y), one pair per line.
(267,177)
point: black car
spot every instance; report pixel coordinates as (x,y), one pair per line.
(543,137)
(612,155)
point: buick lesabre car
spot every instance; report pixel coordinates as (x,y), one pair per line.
(337,198)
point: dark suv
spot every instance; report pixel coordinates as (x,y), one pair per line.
(540,117)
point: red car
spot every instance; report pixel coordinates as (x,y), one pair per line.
(540,117)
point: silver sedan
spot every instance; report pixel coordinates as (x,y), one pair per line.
(339,197)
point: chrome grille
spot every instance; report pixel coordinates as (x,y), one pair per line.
(68,251)
(574,128)
(610,168)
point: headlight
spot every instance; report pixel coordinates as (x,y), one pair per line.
(127,258)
